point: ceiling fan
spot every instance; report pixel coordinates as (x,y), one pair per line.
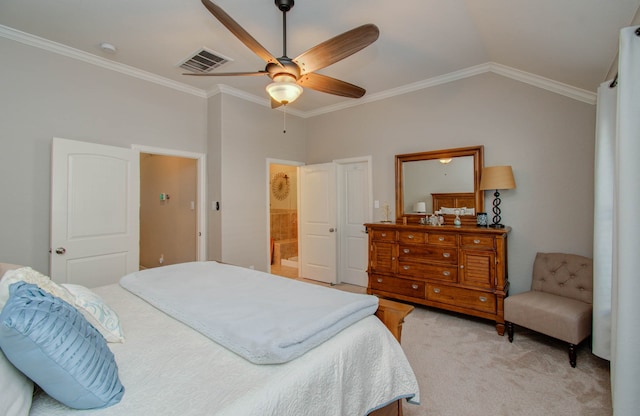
(290,75)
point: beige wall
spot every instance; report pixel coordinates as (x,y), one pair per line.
(45,95)
(546,137)
(290,202)
(167,227)
(214,175)
(250,134)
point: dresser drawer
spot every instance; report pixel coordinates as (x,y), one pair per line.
(412,237)
(428,271)
(384,235)
(427,253)
(399,286)
(442,239)
(464,298)
(477,241)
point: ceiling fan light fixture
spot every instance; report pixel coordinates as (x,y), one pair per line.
(284,91)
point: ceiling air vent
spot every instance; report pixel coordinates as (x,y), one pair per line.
(204,60)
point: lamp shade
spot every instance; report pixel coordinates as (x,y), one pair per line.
(284,92)
(497,177)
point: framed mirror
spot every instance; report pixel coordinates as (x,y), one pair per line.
(443,180)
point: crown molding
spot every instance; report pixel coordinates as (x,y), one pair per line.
(405,89)
(575,93)
(545,83)
(64,50)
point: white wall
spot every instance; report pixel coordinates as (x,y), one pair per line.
(251,133)
(214,173)
(547,138)
(45,95)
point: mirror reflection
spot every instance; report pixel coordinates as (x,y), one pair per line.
(422,178)
(430,181)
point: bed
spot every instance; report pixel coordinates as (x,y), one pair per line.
(167,367)
(447,203)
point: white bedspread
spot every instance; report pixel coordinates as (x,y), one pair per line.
(170,369)
(264,318)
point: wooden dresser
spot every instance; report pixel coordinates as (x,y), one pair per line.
(462,269)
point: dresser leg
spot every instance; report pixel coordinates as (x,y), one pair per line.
(500,329)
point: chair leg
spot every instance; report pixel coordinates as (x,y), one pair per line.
(572,355)
(509,330)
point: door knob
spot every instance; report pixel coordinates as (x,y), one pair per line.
(61,250)
(331,230)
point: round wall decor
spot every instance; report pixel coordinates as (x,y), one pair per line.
(280,185)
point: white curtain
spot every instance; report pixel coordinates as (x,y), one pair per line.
(603,219)
(623,289)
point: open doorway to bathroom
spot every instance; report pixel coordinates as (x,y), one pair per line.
(283,219)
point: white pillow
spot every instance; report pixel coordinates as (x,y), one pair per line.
(98,313)
(16,390)
(449,211)
(27,274)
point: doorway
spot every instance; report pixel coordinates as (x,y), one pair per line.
(353,208)
(283,219)
(172,207)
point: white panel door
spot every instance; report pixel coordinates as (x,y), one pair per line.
(353,188)
(95,199)
(318,222)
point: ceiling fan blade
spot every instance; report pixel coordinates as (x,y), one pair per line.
(240,33)
(337,48)
(330,85)
(225,74)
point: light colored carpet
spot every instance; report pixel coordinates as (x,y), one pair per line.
(464,368)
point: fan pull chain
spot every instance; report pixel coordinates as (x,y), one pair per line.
(284,119)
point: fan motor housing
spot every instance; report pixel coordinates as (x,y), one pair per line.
(290,68)
(284,5)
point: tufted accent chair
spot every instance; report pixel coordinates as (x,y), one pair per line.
(559,302)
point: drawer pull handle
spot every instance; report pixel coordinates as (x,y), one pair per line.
(446,272)
(476,241)
(482,299)
(379,280)
(462,266)
(440,238)
(393,258)
(410,236)
(406,251)
(436,290)
(414,286)
(405,267)
(383,234)
(446,255)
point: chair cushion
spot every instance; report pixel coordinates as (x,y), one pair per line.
(559,317)
(567,275)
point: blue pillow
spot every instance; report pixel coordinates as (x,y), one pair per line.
(54,345)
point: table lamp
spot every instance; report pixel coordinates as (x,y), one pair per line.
(497,178)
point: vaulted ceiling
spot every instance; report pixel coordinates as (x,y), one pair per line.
(570,42)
